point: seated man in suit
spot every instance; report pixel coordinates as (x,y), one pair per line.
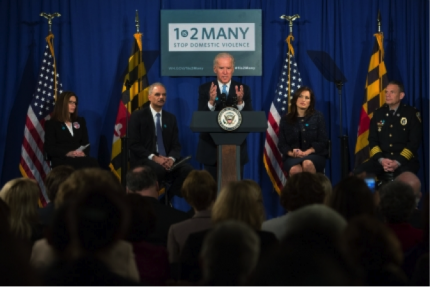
(208,95)
(395,133)
(143,181)
(154,140)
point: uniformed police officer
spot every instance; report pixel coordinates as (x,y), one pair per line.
(394,136)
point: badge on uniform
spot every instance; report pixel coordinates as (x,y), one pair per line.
(76,125)
(403,121)
(380,124)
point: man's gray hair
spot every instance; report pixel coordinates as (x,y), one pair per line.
(156,84)
(412,180)
(397,201)
(141,178)
(223,55)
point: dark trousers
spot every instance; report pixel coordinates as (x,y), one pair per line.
(176,177)
(374,167)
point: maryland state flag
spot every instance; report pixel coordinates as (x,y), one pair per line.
(132,99)
(374,98)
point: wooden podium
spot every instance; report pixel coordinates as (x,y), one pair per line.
(228,142)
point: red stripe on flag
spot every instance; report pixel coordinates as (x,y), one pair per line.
(274,149)
(272,172)
(364,122)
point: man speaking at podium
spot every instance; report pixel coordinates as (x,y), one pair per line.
(212,97)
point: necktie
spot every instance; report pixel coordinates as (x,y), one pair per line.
(224,90)
(393,112)
(160,144)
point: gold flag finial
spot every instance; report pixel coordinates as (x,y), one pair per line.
(50,17)
(290,19)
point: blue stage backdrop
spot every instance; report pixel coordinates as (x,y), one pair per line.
(93,40)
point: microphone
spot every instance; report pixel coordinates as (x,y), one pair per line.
(232,101)
(221,100)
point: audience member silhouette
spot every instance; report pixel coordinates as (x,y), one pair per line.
(151,260)
(374,248)
(52,182)
(411,179)
(238,200)
(14,267)
(119,257)
(396,205)
(309,254)
(300,190)
(229,254)
(352,197)
(96,221)
(199,189)
(143,181)
(22,196)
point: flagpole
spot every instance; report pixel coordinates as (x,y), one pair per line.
(124,140)
(290,51)
(50,41)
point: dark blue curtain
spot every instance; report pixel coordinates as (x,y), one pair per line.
(93,40)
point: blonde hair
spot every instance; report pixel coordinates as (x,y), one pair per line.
(21,195)
(242,201)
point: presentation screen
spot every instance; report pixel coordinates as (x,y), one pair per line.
(190,39)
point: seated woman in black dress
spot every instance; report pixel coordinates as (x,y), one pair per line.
(65,133)
(303,139)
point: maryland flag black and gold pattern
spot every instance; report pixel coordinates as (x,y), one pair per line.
(374,98)
(131,100)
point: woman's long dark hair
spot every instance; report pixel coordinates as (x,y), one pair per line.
(61,108)
(292,115)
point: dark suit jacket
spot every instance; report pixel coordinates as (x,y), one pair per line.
(166,216)
(305,133)
(143,138)
(206,149)
(59,141)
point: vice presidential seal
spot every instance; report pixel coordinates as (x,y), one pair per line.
(229,119)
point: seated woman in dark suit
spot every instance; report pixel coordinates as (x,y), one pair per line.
(65,133)
(303,139)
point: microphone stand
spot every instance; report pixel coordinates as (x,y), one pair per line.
(343,138)
(332,73)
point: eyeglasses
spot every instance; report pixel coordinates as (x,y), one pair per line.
(73,103)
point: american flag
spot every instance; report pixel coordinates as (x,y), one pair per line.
(289,81)
(32,163)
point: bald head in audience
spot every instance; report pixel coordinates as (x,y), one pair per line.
(411,179)
(142,180)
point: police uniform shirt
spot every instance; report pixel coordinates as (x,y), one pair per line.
(395,136)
